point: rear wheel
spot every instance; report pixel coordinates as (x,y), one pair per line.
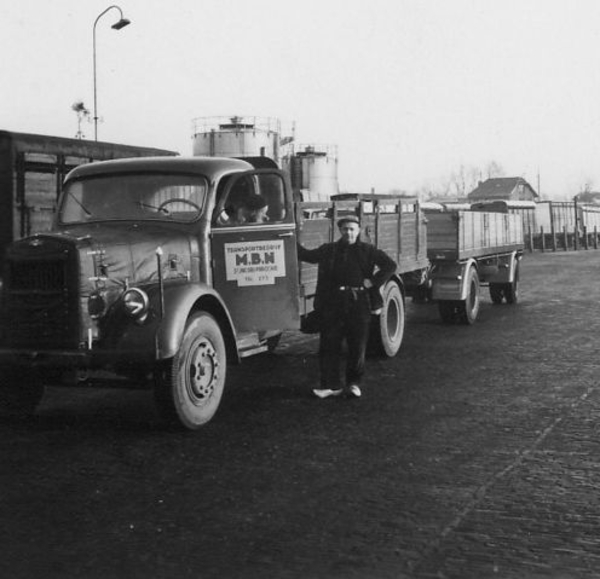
(20,392)
(188,389)
(469,308)
(387,330)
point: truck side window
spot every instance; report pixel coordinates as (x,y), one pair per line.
(252,199)
(270,186)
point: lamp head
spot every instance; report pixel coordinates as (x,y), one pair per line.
(121,24)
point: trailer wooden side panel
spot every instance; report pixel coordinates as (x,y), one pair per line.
(394,225)
(471,234)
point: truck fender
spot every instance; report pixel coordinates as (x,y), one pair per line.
(515,258)
(179,303)
(464,289)
(449,280)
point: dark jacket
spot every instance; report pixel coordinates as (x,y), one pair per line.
(374,264)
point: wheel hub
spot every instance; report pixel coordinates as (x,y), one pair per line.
(203,372)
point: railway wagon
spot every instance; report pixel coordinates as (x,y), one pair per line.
(526,209)
(32,170)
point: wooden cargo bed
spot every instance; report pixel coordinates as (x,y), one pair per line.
(394,225)
(471,234)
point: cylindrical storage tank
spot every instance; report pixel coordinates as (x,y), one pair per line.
(236,137)
(314,170)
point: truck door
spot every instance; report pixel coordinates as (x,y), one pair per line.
(254,258)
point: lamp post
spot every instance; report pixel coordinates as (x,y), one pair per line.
(122,22)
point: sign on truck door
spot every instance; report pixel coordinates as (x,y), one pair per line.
(254,260)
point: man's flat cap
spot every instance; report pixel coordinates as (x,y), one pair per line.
(348,219)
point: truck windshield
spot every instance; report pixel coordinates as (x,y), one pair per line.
(136,197)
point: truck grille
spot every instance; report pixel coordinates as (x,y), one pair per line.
(36,277)
(41,306)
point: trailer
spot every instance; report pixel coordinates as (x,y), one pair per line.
(469,249)
(32,170)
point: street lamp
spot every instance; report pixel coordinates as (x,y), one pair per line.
(117,26)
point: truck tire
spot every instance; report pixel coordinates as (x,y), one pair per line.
(189,387)
(387,329)
(20,392)
(468,309)
(511,290)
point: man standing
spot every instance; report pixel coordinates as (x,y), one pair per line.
(350,275)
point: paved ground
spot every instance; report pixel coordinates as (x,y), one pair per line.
(473,454)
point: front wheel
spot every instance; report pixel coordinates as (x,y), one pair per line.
(387,330)
(188,388)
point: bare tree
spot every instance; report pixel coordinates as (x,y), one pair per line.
(461,182)
(494,169)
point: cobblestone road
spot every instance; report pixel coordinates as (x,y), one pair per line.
(473,454)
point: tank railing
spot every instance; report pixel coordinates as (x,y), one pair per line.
(233,122)
(307,149)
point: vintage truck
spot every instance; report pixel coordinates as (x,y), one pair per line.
(147,281)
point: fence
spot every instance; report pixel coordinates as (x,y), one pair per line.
(564,225)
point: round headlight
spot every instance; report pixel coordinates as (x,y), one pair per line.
(136,304)
(96,306)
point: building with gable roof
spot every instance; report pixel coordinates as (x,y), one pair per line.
(503,188)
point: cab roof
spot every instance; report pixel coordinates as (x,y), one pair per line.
(211,167)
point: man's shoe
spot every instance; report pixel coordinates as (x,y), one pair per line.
(354,391)
(326,392)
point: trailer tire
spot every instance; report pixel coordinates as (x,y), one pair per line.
(273,342)
(497,292)
(511,290)
(188,388)
(387,329)
(21,391)
(469,308)
(447,310)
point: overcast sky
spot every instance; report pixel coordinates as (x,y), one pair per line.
(408,90)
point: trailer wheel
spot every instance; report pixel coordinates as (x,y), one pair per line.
(447,311)
(189,387)
(497,292)
(273,342)
(21,391)
(511,290)
(387,329)
(469,308)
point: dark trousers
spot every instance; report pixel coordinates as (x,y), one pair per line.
(347,319)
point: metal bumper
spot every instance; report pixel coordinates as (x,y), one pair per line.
(87,359)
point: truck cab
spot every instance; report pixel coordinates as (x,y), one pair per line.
(156,272)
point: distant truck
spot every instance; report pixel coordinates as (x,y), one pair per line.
(147,280)
(32,170)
